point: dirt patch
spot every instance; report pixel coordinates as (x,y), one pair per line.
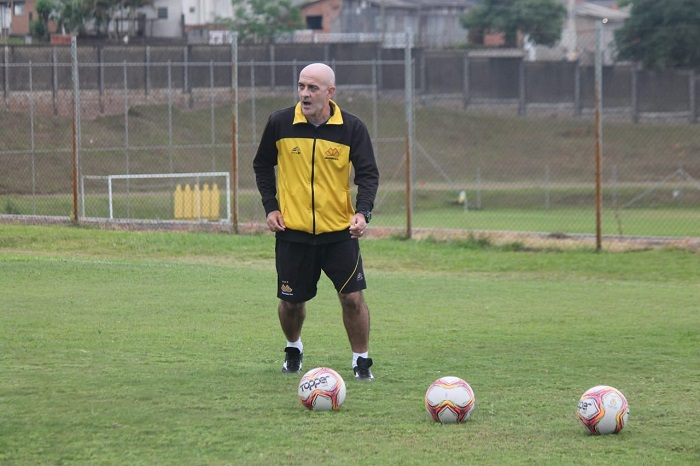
(518,240)
(543,241)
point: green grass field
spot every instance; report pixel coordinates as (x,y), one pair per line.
(164,348)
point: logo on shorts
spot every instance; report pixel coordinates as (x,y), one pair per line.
(286,289)
(360,277)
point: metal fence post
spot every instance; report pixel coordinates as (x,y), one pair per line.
(232,191)
(295,74)
(76,125)
(31,135)
(126,140)
(422,72)
(101,76)
(54,80)
(6,73)
(147,64)
(375,102)
(598,132)
(578,106)
(408,82)
(692,103)
(466,92)
(380,70)
(521,88)
(273,81)
(634,104)
(253,100)
(185,69)
(212,116)
(170,117)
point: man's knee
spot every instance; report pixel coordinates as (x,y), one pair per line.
(352,300)
(292,308)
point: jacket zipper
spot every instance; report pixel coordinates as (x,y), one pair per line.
(313,191)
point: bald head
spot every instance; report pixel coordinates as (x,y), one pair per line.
(320,72)
(316,88)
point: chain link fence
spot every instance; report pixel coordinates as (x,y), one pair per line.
(466,142)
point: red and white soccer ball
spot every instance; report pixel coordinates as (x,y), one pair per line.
(322,389)
(603,410)
(449,400)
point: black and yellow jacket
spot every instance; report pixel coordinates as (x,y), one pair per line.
(312,186)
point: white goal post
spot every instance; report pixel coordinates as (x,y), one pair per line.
(195,177)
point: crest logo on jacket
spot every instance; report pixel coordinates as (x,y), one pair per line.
(332,154)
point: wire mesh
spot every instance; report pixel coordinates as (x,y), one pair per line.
(500,143)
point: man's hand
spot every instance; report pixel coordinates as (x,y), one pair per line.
(358,225)
(275,222)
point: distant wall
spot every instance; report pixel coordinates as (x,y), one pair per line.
(456,75)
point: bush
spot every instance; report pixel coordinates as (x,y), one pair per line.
(38,29)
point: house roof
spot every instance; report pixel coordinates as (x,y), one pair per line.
(405,4)
(593,10)
(387,3)
(439,3)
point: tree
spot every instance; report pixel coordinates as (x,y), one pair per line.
(661,34)
(40,26)
(541,20)
(133,7)
(262,20)
(102,12)
(72,16)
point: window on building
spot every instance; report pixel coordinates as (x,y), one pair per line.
(163,12)
(314,22)
(19,8)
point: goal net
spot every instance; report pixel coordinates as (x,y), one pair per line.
(200,197)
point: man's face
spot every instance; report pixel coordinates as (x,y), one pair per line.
(314,95)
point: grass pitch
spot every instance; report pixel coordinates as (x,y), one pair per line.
(164,348)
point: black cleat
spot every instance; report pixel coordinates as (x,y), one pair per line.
(362,370)
(292,360)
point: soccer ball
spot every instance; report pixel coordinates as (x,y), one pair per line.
(449,399)
(603,410)
(322,389)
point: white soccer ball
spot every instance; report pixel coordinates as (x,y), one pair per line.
(603,410)
(449,399)
(322,389)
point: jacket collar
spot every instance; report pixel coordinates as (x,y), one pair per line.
(335,119)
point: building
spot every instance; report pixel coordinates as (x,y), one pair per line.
(15,17)
(175,19)
(611,18)
(200,20)
(432,23)
(163,19)
(578,41)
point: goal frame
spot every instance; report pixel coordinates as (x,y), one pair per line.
(195,175)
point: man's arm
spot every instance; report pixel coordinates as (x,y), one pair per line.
(366,171)
(264,166)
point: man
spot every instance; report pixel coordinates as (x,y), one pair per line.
(314,146)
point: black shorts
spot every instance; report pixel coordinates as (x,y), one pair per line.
(299,267)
